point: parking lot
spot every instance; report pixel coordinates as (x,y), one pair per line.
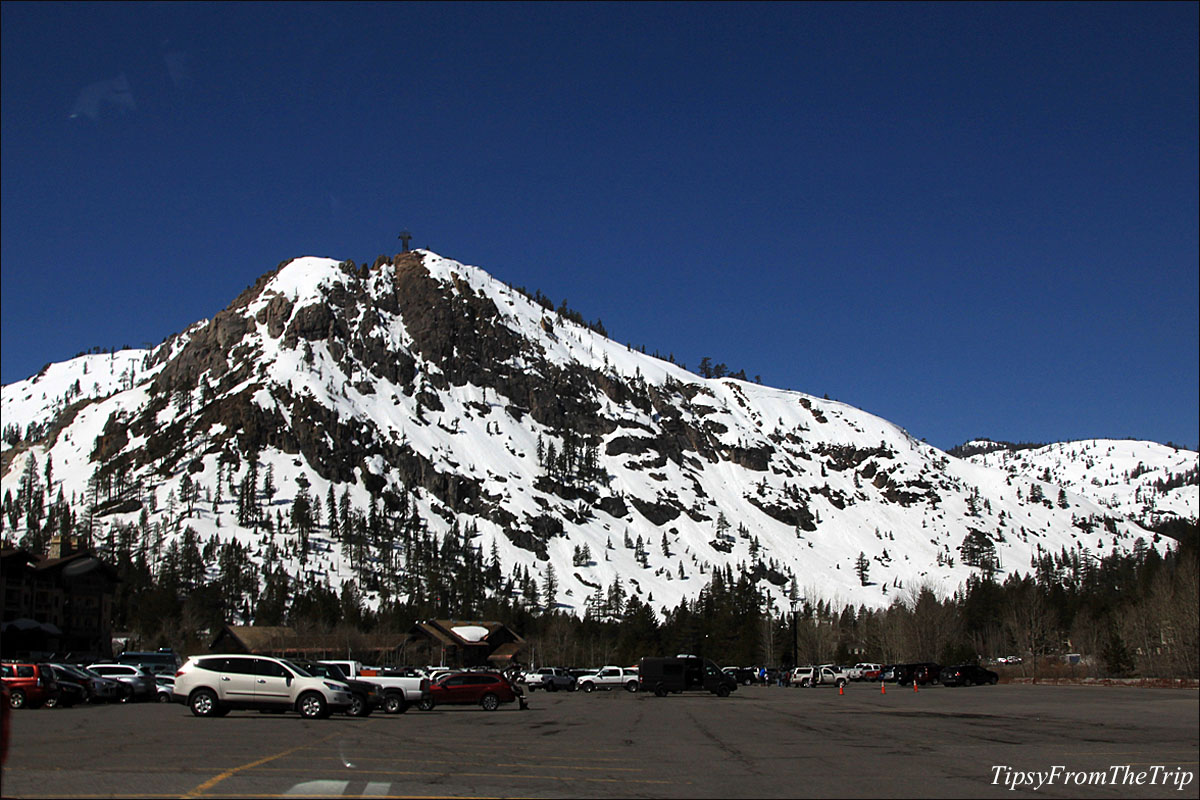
(763,741)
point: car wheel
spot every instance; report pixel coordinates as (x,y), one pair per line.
(631,687)
(589,687)
(358,706)
(746,682)
(164,697)
(490,702)
(994,681)
(203,703)
(426,704)
(660,690)
(53,701)
(722,691)
(311,705)
(394,703)
(551,687)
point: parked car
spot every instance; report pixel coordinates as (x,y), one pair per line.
(488,689)
(400,691)
(166,687)
(99,688)
(865,672)
(550,678)
(968,675)
(922,672)
(212,686)
(104,690)
(139,681)
(888,673)
(29,684)
(163,661)
(743,675)
(367,696)
(72,689)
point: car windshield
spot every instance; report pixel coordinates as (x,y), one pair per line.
(300,671)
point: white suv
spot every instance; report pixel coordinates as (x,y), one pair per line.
(212,686)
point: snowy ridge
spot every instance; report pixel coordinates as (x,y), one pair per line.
(430,379)
(1144,481)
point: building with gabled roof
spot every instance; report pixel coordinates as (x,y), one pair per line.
(467,643)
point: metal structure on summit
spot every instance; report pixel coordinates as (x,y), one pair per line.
(404,237)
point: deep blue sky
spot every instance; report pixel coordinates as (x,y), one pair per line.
(972,220)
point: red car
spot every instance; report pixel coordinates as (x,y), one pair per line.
(488,689)
(29,685)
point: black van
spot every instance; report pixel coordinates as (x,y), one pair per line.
(684,673)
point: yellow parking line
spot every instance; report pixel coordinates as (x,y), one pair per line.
(211,782)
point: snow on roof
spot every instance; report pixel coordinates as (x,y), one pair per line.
(470,633)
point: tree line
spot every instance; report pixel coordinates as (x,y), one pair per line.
(1127,613)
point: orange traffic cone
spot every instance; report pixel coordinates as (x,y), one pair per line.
(882,687)
(841,689)
(914,684)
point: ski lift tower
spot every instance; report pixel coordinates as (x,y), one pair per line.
(404,237)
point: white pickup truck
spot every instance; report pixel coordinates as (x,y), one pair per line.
(610,678)
(399,692)
(824,675)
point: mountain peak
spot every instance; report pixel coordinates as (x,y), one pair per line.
(418,396)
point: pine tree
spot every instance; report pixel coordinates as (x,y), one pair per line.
(550,587)
(861,567)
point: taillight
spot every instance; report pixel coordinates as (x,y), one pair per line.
(178,672)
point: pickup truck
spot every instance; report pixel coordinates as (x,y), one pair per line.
(865,672)
(610,678)
(398,692)
(549,678)
(826,675)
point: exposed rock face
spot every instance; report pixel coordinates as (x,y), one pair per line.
(422,383)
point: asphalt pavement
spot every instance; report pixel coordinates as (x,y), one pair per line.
(763,741)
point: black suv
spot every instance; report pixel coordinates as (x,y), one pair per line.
(968,674)
(684,673)
(367,696)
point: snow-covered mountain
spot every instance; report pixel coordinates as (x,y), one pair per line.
(1144,481)
(423,387)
